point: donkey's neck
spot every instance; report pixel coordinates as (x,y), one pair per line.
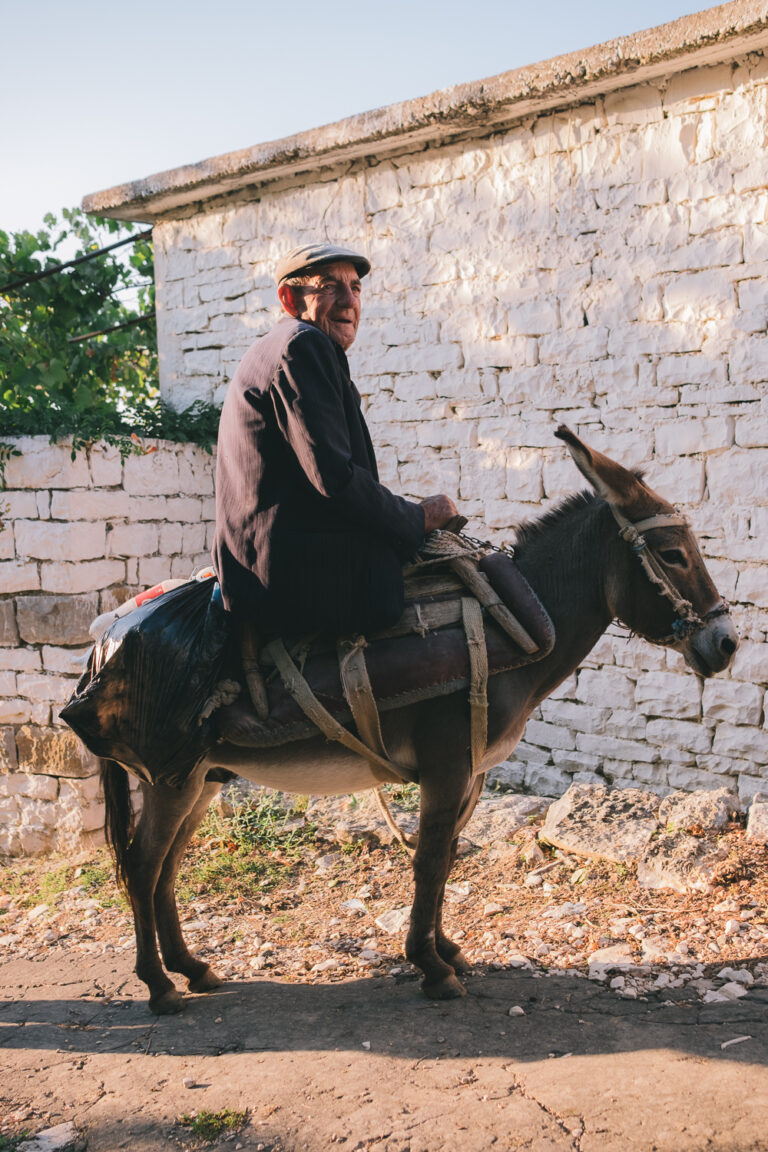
(564,558)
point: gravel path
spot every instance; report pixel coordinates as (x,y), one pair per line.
(599,1016)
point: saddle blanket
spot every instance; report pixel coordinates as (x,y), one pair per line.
(425,655)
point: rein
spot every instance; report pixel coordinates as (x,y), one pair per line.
(688,619)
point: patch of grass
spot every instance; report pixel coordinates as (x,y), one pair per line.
(260,845)
(11,1143)
(406,796)
(210,1125)
(44,880)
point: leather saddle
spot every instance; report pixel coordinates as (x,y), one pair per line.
(423,656)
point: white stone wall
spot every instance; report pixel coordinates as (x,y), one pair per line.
(604,266)
(78,537)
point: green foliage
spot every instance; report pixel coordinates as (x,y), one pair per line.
(104,387)
(210,1125)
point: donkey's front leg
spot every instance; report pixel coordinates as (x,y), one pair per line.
(440,806)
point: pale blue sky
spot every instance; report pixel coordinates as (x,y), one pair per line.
(95,94)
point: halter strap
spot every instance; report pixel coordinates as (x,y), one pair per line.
(688,619)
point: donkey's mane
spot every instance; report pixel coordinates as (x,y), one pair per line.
(531,531)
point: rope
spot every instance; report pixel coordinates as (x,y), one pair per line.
(314,710)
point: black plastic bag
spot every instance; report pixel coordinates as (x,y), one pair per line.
(148,679)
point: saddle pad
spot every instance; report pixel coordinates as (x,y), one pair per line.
(403,669)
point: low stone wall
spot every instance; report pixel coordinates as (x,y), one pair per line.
(79,536)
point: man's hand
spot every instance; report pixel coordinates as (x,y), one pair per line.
(438,511)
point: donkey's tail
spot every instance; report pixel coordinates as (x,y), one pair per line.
(118,815)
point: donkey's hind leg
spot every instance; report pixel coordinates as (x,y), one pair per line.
(163,812)
(176,956)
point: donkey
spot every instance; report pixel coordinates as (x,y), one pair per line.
(586,573)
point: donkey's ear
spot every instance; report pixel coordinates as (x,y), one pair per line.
(615,484)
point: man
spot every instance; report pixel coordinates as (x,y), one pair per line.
(306,536)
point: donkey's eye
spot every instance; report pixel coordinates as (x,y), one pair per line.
(674,557)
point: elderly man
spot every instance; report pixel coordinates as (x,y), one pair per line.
(306,536)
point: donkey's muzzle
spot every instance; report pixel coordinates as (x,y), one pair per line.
(711,647)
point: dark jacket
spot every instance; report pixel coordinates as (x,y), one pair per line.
(306,536)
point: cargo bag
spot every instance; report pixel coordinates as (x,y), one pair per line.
(141,699)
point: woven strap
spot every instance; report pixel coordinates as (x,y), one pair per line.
(321,717)
(359,696)
(479,585)
(472,616)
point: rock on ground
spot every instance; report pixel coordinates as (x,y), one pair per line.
(757,823)
(594,822)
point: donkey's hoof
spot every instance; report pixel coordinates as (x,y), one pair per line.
(449,988)
(205,982)
(167,1003)
(459,962)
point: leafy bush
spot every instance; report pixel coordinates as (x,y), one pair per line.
(102,387)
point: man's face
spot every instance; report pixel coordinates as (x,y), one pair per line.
(331,302)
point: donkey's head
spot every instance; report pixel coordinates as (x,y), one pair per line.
(666,595)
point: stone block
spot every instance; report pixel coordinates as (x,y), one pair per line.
(69,661)
(732,700)
(752,431)
(9,633)
(751,662)
(680,437)
(195,471)
(53,752)
(16,577)
(615,748)
(45,465)
(549,735)
(33,786)
(606,687)
(46,540)
(19,659)
(56,619)
(8,761)
(88,576)
(156,474)
(748,360)
(745,741)
(546,780)
(18,711)
(752,586)
(56,689)
(132,540)
(76,504)
(106,466)
(757,821)
(678,734)
(667,694)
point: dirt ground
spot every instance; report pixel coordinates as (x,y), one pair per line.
(322,1038)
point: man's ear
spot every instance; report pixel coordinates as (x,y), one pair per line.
(291,300)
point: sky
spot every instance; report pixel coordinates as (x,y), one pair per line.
(97,94)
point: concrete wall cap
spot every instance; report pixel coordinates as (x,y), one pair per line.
(705,38)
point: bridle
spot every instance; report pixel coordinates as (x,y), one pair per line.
(688,619)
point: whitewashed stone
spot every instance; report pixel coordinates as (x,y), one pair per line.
(757,821)
(665,694)
(733,701)
(43,540)
(87,576)
(45,465)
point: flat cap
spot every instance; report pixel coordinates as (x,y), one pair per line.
(309,256)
